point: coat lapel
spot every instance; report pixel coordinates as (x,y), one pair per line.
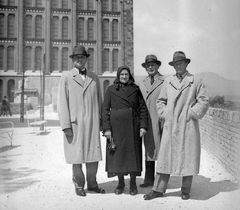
(87,81)
(77,78)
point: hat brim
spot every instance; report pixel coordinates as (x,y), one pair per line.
(184,59)
(144,64)
(71,56)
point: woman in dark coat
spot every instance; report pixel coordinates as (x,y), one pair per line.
(124,119)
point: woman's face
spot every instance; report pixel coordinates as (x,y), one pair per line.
(124,76)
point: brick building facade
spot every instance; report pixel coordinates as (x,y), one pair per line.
(37,37)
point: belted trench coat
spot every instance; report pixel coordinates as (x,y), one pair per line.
(79,107)
(181,105)
(150,93)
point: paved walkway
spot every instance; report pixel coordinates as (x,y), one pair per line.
(34,175)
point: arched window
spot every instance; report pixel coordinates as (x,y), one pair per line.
(64,59)
(38,58)
(90,29)
(80,29)
(115,59)
(115,5)
(28,58)
(105,86)
(11,2)
(55,30)
(55,3)
(90,4)
(1,89)
(1,57)
(10,90)
(38,27)
(65,4)
(105,60)
(115,30)
(38,3)
(11,26)
(55,59)
(80,5)
(65,28)
(105,5)
(10,58)
(28,26)
(28,3)
(105,30)
(1,25)
(91,59)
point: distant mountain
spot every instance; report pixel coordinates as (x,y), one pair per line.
(216,85)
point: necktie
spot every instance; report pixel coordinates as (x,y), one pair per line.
(83,72)
(152,80)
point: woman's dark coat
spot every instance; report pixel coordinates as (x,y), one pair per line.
(124,112)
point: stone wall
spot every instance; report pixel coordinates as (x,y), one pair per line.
(220,136)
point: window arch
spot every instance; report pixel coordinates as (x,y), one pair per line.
(91,59)
(38,27)
(10,89)
(106,60)
(105,30)
(55,27)
(55,58)
(38,58)
(90,29)
(10,58)
(28,58)
(65,28)
(64,59)
(28,26)
(11,26)
(115,30)
(80,29)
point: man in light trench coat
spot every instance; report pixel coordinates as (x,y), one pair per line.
(181,103)
(79,107)
(150,88)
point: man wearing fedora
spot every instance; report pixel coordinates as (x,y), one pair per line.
(181,103)
(150,88)
(79,105)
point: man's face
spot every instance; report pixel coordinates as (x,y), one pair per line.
(152,68)
(79,61)
(180,67)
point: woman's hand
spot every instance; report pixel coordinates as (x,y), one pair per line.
(108,134)
(142,132)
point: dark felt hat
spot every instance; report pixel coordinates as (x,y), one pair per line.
(79,50)
(151,58)
(179,56)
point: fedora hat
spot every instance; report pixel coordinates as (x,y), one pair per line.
(179,56)
(79,50)
(151,58)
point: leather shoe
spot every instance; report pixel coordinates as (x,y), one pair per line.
(97,190)
(80,191)
(145,185)
(185,196)
(133,191)
(118,191)
(153,194)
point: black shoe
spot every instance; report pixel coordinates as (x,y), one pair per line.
(80,191)
(119,190)
(133,191)
(145,185)
(97,190)
(185,196)
(152,195)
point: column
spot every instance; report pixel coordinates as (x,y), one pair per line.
(20,43)
(48,37)
(99,38)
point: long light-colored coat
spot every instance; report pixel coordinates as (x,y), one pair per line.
(181,105)
(153,136)
(79,107)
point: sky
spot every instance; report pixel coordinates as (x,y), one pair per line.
(208,31)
